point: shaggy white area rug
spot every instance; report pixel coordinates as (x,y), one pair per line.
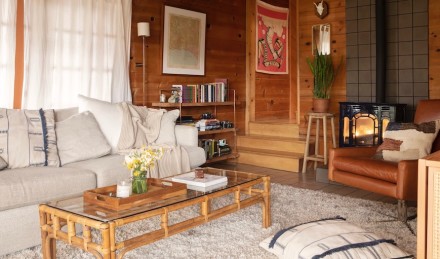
(238,235)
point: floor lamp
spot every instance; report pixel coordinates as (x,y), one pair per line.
(143,31)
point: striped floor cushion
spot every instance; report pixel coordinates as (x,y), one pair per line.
(330,238)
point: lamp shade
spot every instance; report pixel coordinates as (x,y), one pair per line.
(143,29)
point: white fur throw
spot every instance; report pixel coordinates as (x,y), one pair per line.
(27,138)
(407,141)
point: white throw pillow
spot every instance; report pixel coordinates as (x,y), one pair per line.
(167,133)
(3,164)
(108,115)
(80,138)
(330,238)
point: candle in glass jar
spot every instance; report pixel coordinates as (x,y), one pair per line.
(123,189)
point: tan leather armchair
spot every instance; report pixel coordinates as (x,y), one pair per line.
(354,166)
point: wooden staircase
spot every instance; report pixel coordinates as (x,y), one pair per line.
(272,144)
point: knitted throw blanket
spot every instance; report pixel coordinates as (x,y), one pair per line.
(141,127)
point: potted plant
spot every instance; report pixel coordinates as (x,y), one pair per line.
(324,76)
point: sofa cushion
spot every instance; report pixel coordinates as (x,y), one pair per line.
(108,169)
(27,138)
(3,164)
(80,138)
(196,156)
(62,114)
(407,141)
(33,185)
(108,115)
(167,133)
(365,166)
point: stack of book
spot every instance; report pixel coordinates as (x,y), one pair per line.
(213,149)
(212,92)
(209,124)
(208,183)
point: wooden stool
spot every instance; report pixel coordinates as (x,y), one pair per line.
(316,157)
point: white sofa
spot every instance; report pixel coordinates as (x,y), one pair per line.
(22,189)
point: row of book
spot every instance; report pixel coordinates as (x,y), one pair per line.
(213,149)
(212,92)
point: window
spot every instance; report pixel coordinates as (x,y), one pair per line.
(75,47)
(8,16)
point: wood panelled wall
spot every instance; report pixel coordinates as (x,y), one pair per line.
(434,49)
(225,50)
(306,19)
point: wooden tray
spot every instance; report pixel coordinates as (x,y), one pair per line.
(158,189)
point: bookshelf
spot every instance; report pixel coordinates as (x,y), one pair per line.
(214,134)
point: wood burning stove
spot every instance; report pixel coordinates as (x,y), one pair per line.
(363,124)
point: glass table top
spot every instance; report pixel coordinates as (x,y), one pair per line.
(77,206)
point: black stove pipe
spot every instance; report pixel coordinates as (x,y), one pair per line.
(380,51)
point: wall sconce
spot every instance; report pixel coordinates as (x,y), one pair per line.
(143,29)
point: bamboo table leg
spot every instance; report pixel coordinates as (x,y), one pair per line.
(267,221)
(48,243)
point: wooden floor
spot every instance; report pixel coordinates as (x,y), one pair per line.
(306,181)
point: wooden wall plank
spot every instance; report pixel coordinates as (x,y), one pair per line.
(225,50)
(276,108)
(307,18)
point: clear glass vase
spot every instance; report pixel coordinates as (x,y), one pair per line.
(139,184)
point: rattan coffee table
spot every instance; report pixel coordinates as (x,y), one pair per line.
(248,189)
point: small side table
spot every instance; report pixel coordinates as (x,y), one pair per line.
(317,157)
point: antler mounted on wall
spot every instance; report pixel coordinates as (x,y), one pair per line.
(321,9)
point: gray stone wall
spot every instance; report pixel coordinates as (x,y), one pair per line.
(406,47)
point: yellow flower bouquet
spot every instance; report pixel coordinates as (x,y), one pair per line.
(140,162)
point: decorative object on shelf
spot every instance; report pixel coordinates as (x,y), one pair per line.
(321,38)
(163,98)
(321,9)
(324,76)
(272,39)
(184,42)
(140,161)
(123,189)
(174,98)
(226,124)
(222,142)
(143,31)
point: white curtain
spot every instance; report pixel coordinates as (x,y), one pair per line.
(76,47)
(8,18)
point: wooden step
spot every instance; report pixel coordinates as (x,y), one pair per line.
(287,161)
(296,145)
(274,128)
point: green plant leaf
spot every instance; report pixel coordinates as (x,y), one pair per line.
(323,73)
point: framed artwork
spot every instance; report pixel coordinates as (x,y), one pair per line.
(184,42)
(272,35)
